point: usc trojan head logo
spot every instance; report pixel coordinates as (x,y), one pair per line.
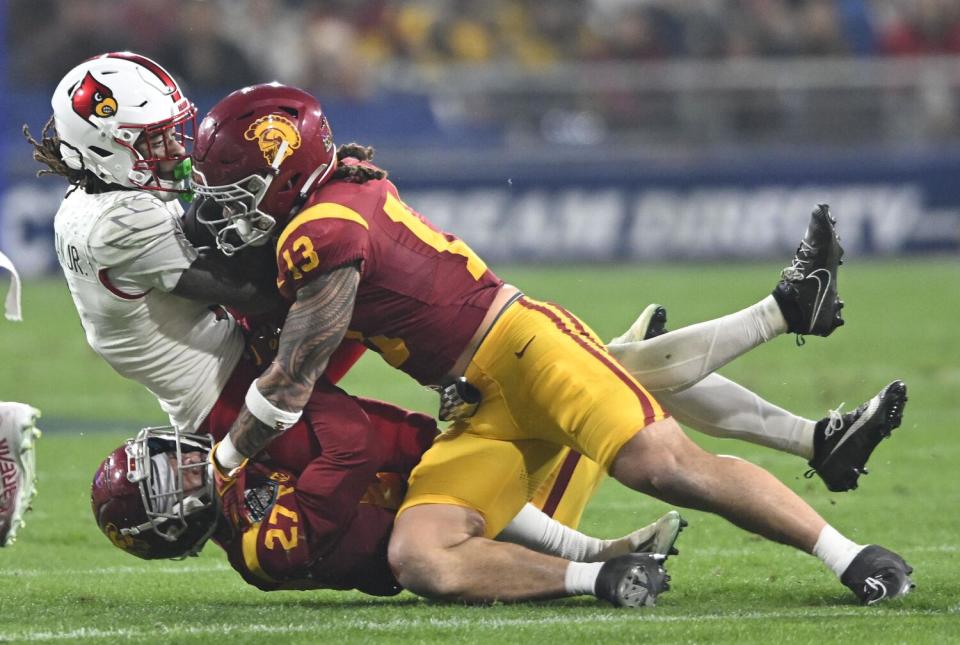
(93,98)
(271,132)
(125,542)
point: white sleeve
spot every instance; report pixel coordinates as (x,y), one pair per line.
(141,243)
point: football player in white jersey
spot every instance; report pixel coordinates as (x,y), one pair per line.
(141,289)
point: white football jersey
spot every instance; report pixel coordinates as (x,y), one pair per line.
(122,252)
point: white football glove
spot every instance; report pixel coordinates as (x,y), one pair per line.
(18,466)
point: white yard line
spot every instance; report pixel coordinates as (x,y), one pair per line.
(404,625)
(105,571)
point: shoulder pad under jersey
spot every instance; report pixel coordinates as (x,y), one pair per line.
(130,226)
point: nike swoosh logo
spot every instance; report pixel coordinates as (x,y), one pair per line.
(524,350)
(822,288)
(867,415)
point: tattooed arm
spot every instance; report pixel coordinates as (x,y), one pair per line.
(315,326)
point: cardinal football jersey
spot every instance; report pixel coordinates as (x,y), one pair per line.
(291,546)
(422,293)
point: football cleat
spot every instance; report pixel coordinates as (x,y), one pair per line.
(878,574)
(807,291)
(632,580)
(650,324)
(659,537)
(18,465)
(842,444)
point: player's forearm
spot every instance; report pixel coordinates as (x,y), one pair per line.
(273,404)
(210,279)
(314,328)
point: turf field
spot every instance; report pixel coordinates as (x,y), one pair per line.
(63,581)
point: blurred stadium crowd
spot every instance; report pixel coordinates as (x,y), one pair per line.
(345,46)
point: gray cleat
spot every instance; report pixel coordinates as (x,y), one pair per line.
(878,574)
(660,536)
(632,580)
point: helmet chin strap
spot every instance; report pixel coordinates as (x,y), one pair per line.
(281,153)
(317,176)
(169,189)
(172,189)
(71,156)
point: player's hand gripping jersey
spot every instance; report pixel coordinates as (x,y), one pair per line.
(422,292)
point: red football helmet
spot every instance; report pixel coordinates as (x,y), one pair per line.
(259,152)
(140,500)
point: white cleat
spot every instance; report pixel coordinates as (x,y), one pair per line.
(654,539)
(18,466)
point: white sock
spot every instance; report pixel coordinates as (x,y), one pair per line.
(536,530)
(721,408)
(834,550)
(677,360)
(771,319)
(581,577)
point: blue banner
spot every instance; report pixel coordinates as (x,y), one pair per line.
(743,206)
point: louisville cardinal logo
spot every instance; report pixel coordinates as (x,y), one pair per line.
(93,98)
(270,132)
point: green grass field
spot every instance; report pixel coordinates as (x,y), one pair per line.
(62,581)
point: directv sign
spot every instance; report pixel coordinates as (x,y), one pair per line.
(669,223)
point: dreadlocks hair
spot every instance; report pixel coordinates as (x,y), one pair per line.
(356,174)
(47,152)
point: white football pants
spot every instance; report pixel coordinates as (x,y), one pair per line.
(678,369)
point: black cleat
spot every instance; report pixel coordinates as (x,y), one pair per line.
(660,537)
(807,291)
(878,574)
(842,444)
(652,322)
(632,580)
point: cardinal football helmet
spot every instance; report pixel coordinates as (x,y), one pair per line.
(103,106)
(140,500)
(259,152)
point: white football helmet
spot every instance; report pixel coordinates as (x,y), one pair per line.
(104,105)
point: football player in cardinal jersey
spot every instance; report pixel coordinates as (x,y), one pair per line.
(357,262)
(153,497)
